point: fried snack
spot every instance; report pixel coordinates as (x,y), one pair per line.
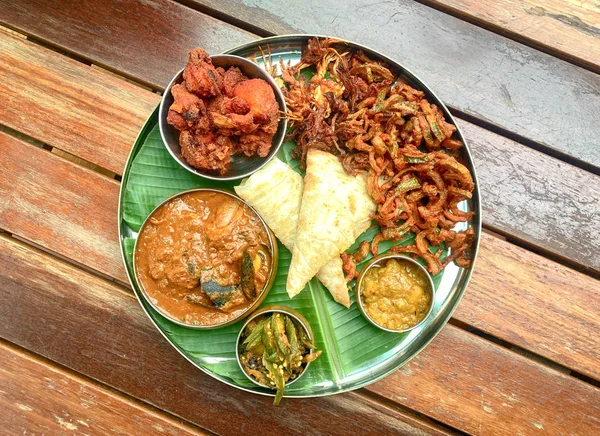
(221,112)
(275,192)
(335,210)
(377,125)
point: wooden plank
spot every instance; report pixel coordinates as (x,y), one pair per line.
(68,105)
(38,398)
(537,304)
(125,36)
(485,75)
(505,274)
(536,198)
(481,389)
(68,209)
(511,175)
(570,29)
(466,381)
(111,339)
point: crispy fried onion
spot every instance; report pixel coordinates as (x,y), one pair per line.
(357,109)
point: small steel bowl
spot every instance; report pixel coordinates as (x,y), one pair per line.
(241,166)
(268,310)
(378,261)
(260,297)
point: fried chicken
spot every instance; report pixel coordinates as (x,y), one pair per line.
(200,75)
(220,112)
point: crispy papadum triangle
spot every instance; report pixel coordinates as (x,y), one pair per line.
(335,210)
(275,191)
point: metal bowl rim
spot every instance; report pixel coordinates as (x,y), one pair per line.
(260,297)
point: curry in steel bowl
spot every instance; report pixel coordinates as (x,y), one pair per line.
(204,258)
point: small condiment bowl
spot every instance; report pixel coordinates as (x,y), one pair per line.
(267,311)
(380,261)
(260,297)
(241,166)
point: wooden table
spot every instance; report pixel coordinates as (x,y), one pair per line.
(521,354)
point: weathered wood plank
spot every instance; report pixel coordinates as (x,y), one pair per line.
(506,84)
(536,198)
(37,398)
(75,216)
(475,379)
(512,176)
(537,304)
(569,28)
(127,36)
(111,339)
(68,209)
(483,389)
(69,105)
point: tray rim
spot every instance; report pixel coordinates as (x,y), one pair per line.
(476,224)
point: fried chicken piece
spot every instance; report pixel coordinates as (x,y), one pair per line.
(187,111)
(233,124)
(208,152)
(260,97)
(200,75)
(231,78)
(258,142)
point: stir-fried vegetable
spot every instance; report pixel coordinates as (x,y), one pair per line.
(358,109)
(274,350)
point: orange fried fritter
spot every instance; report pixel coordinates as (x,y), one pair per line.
(200,75)
(187,111)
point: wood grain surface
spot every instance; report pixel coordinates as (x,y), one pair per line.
(509,282)
(535,303)
(38,398)
(520,190)
(111,340)
(487,76)
(467,381)
(60,206)
(570,29)
(511,395)
(69,105)
(127,36)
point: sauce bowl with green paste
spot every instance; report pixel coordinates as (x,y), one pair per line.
(395,293)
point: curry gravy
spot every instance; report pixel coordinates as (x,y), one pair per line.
(195,240)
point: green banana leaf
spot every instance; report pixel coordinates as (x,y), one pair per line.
(351,345)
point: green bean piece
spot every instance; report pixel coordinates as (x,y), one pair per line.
(255,333)
(277,375)
(292,336)
(277,325)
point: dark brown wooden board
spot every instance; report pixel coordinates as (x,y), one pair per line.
(487,76)
(62,207)
(38,398)
(68,105)
(483,389)
(72,211)
(569,29)
(469,382)
(521,192)
(536,304)
(98,329)
(125,35)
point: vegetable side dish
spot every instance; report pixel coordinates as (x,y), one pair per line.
(203,257)
(360,111)
(396,296)
(275,350)
(221,112)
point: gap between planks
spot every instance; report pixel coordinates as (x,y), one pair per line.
(108,390)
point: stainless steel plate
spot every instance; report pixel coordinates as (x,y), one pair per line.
(338,371)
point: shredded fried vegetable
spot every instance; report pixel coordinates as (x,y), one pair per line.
(359,110)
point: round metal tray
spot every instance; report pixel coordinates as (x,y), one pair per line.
(339,376)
